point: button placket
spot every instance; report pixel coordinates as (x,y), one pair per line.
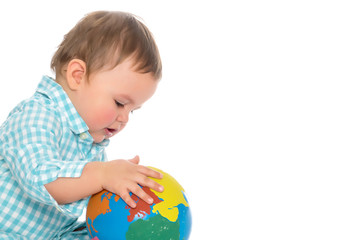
(84,145)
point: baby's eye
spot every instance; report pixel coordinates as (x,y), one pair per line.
(119,104)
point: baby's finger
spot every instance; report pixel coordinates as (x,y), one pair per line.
(147,182)
(135,160)
(150,172)
(128,200)
(138,191)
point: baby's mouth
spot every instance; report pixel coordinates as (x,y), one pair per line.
(109,132)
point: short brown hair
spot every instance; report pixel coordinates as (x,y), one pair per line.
(106,37)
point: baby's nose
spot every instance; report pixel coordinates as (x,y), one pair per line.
(123,117)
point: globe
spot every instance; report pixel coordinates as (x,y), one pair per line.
(169,217)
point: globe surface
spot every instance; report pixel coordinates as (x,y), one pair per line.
(169,217)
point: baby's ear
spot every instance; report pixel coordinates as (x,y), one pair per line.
(75,73)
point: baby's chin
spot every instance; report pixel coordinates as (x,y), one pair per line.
(98,138)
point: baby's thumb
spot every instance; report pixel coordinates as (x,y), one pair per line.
(135,160)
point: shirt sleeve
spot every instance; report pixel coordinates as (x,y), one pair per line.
(30,141)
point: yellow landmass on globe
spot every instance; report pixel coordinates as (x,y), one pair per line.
(172,196)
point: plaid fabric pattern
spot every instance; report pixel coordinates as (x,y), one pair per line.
(42,139)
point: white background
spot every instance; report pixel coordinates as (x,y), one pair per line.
(257,114)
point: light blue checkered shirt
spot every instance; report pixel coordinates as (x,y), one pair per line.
(42,139)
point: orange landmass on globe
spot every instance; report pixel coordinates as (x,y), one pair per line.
(142,208)
(102,208)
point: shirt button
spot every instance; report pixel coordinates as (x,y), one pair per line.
(83,136)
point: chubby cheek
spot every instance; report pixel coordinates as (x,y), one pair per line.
(102,118)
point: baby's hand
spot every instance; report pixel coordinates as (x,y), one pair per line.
(124,176)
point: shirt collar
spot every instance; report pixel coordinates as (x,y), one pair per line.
(50,88)
(55,92)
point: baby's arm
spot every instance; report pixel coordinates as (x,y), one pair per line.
(117,176)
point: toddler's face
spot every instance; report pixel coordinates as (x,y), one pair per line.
(109,97)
